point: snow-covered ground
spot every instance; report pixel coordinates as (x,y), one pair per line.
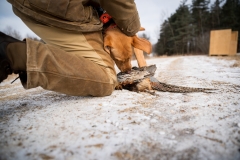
(40,124)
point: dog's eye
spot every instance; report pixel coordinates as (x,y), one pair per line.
(119,59)
(108,47)
(122,61)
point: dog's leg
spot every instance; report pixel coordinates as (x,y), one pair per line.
(140,57)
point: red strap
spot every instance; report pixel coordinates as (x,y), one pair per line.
(105,17)
(111,26)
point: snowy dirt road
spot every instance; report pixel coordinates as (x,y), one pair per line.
(40,124)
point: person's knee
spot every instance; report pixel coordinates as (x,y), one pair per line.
(104,90)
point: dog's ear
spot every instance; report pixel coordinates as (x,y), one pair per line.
(107,44)
(142,29)
(142,44)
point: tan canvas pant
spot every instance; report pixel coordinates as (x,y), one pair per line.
(70,62)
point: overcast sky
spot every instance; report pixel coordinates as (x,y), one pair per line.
(152,13)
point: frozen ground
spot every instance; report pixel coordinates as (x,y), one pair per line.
(39,124)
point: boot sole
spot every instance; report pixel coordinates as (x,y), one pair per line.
(4,70)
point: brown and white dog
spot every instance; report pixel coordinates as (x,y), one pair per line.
(120,47)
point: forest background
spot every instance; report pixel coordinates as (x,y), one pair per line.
(187,31)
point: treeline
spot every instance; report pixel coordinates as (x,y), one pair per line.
(187,31)
(16,34)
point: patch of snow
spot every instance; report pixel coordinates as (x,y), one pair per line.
(40,124)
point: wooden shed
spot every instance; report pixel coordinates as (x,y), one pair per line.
(223,42)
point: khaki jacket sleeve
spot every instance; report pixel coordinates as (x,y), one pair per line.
(124,13)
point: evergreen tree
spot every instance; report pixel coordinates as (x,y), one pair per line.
(164,41)
(200,15)
(230,15)
(215,14)
(176,32)
(202,23)
(183,29)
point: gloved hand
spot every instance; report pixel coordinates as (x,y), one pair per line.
(124,13)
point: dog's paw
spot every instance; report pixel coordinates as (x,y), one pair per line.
(119,87)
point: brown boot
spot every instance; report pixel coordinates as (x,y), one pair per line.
(12,57)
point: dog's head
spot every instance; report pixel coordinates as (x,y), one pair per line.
(120,47)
